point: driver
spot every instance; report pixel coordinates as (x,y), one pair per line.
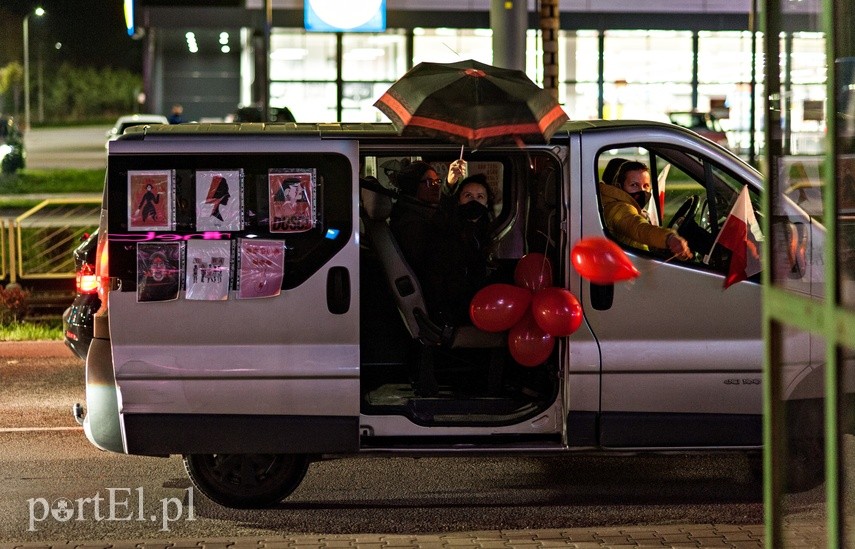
(624,200)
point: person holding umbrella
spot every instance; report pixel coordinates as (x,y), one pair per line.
(464,265)
(447,243)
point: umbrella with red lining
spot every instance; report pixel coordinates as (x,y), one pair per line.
(471,103)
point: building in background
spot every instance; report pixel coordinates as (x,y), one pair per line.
(616,59)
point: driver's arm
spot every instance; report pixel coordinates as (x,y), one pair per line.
(624,220)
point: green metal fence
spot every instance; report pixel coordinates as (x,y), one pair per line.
(41,240)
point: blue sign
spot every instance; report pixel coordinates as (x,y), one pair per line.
(129,17)
(344,15)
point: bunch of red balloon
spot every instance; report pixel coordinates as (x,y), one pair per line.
(533,310)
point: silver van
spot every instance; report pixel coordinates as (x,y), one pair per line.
(282,325)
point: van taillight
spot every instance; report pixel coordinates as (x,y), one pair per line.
(102,269)
(87,282)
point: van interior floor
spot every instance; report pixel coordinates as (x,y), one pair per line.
(448,405)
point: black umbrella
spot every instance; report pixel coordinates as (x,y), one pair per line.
(472,103)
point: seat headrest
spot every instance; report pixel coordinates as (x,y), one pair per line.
(376,204)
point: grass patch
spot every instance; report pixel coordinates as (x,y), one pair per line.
(52,181)
(31,331)
(18,203)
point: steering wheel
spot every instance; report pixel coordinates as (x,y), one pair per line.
(685,211)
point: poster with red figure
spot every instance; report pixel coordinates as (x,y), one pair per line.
(150,202)
(292,200)
(219,198)
(262,267)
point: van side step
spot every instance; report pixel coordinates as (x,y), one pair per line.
(546,443)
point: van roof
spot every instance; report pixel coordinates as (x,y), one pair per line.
(346,129)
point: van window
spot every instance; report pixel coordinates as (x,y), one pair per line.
(306,250)
(689,193)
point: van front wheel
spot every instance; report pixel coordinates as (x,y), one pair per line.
(246,481)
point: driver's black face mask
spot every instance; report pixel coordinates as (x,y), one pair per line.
(641,198)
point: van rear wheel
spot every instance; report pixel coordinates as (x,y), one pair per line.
(246,481)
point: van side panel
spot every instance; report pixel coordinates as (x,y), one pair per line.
(156,434)
(276,374)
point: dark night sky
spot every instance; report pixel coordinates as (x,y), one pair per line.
(92,33)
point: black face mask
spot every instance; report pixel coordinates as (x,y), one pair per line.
(641,198)
(472,211)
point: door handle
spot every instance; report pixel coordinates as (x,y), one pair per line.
(602,296)
(338,290)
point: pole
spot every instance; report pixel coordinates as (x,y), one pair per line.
(40,83)
(27,72)
(752,86)
(550,23)
(265,87)
(509,21)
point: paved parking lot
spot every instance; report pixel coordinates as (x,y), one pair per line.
(79,147)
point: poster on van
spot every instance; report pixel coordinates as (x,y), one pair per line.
(219,200)
(262,267)
(150,200)
(158,271)
(208,270)
(292,200)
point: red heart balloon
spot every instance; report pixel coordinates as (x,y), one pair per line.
(602,261)
(528,344)
(533,271)
(497,307)
(556,311)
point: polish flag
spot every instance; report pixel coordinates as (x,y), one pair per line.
(657,203)
(741,235)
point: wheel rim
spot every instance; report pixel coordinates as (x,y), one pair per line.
(246,480)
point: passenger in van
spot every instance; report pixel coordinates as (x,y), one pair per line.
(445,239)
(447,243)
(415,218)
(623,207)
(463,266)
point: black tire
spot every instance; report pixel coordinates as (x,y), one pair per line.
(805,465)
(246,481)
(805,445)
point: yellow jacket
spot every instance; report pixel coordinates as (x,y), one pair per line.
(627,223)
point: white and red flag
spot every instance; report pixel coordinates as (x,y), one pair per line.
(741,235)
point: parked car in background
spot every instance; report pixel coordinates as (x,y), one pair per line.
(253,113)
(12,153)
(77,319)
(125,122)
(704,124)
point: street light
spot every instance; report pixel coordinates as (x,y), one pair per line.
(39,12)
